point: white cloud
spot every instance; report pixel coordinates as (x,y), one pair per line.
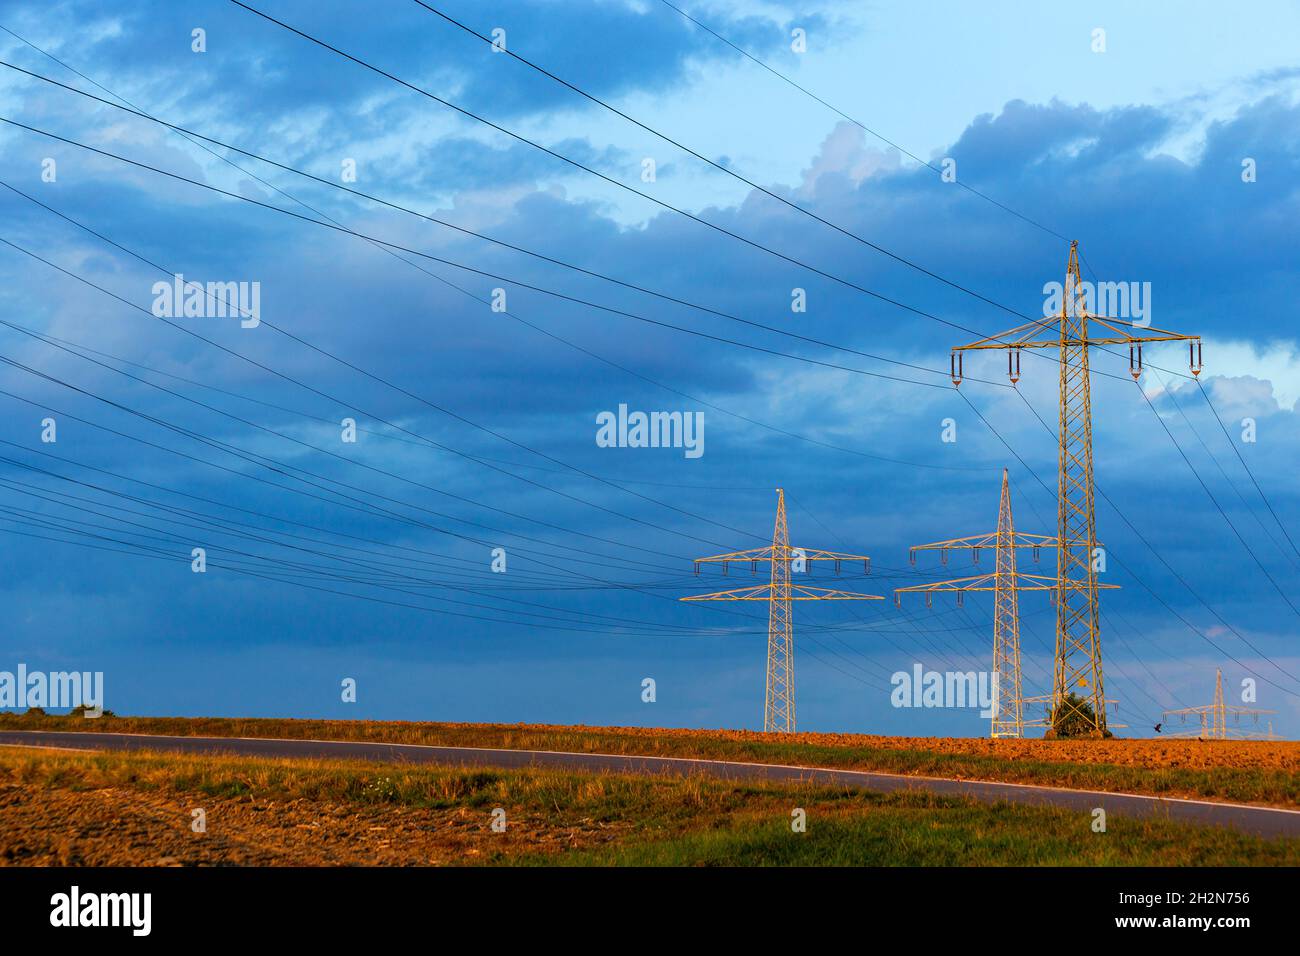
(845,151)
(1249,378)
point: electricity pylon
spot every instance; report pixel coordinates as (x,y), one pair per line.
(1006,583)
(1214,717)
(1078,642)
(778,705)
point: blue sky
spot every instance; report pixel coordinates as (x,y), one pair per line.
(478,427)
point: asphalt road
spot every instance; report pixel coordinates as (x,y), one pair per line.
(1263,821)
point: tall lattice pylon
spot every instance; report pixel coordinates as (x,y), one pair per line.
(779,592)
(1213,718)
(1078,696)
(1006,583)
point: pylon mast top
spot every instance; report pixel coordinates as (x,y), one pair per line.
(1071,328)
(784,553)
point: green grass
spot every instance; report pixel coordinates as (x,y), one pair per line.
(897,830)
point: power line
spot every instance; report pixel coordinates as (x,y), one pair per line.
(846,116)
(195,138)
(728,170)
(1218,507)
(1154,552)
(1214,412)
(357,368)
(1220,423)
(484,273)
(1182,413)
(264,461)
(332,454)
(608,179)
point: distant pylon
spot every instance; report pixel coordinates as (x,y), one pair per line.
(1006,583)
(778,702)
(1077,676)
(1214,717)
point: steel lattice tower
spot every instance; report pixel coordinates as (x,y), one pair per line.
(1078,694)
(1006,583)
(779,592)
(1214,717)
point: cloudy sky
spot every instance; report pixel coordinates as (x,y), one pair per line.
(381,192)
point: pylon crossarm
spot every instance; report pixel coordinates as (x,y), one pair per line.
(1048,700)
(761,593)
(1210,708)
(1055,343)
(1016,338)
(798,592)
(811,554)
(1027,336)
(1021,540)
(765,555)
(1148,333)
(753,554)
(984,582)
